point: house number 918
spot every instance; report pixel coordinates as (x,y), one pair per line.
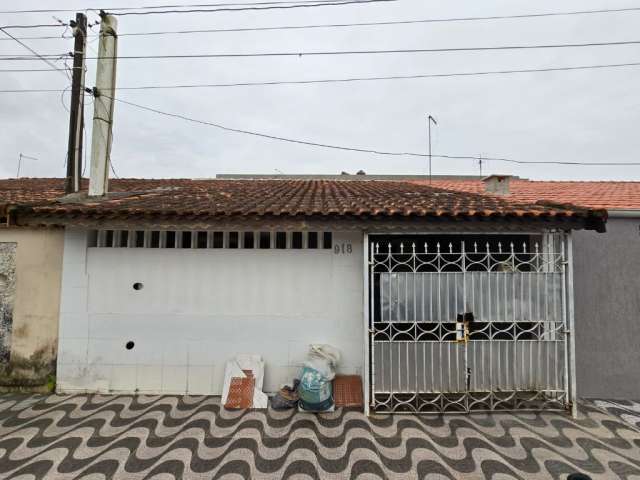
(343,249)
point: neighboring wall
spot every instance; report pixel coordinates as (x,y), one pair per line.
(30,279)
(607,300)
(194,309)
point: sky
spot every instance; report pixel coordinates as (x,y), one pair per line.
(583,116)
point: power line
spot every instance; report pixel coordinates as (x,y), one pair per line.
(335,52)
(366,79)
(47,25)
(347,80)
(357,149)
(375,52)
(28,58)
(34,90)
(361,24)
(340,52)
(29,70)
(52,65)
(386,23)
(158,7)
(254,8)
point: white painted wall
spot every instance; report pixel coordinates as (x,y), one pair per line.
(199,308)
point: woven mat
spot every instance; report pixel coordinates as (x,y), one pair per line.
(240,393)
(347,391)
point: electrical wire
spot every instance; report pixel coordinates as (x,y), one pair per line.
(368,79)
(335,52)
(255,8)
(31,58)
(113,170)
(361,24)
(352,79)
(357,149)
(157,7)
(62,99)
(47,25)
(48,56)
(374,52)
(375,24)
(52,65)
(29,70)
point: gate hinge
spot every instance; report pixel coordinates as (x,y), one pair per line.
(566,330)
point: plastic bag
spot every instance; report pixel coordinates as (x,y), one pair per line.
(287,397)
(316,389)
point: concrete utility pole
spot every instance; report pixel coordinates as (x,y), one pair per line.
(76,114)
(104,93)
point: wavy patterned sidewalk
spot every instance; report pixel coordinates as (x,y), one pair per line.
(167,437)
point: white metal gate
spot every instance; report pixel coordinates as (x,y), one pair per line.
(460,327)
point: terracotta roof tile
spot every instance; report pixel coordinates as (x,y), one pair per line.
(209,198)
(602,194)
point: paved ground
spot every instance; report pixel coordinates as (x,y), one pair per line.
(170,437)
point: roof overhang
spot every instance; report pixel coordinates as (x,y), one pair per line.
(318,222)
(624,213)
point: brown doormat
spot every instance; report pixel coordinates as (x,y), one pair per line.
(240,393)
(347,391)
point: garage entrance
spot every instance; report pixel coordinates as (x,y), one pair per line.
(163,311)
(462,323)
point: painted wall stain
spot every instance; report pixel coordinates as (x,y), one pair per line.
(35,374)
(7,297)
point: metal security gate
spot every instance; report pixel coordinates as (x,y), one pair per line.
(461,327)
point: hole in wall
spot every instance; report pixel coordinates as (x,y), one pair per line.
(138,286)
(129,345)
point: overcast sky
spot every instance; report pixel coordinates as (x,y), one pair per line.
(590,116)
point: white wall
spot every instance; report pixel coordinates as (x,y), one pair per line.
(198,308)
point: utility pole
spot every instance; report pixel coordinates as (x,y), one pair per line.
(104,99)
(429,120)
(76,114)
(480,164)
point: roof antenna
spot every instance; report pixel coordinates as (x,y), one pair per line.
(429,120)
(20,157)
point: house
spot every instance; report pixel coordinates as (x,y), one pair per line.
(30,285)
(441,300)
(606,269)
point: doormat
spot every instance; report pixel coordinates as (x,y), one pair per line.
(347,391)
(241,393)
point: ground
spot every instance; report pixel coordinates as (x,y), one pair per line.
(167,437)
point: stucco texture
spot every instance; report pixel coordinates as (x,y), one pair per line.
(607,314)
(38,273)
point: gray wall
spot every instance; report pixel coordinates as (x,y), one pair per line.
(607,298)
